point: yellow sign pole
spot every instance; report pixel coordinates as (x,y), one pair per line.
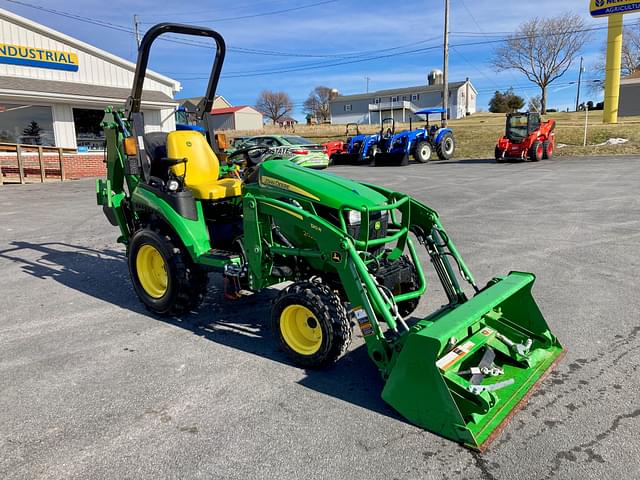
(614,60)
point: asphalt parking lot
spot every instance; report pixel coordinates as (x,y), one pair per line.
(92,387)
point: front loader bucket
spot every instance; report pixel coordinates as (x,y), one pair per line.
(436,381)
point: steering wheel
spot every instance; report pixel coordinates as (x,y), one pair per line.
(246,154)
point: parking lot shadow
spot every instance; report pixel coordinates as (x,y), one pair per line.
(243,324)
(98,273)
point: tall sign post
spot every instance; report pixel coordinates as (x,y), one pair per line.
(445,67)
(614,9)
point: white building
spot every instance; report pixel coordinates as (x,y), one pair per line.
(54,88)
(402,103)
(242,118)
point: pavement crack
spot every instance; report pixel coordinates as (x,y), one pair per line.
(483,465)
(587,447)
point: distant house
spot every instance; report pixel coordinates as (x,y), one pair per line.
(630,95)
(190,104)
(237,118)
(402,103)
(287,122)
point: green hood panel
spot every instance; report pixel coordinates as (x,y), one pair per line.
(325,188)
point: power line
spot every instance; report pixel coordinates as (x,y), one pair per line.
(244,50)
(297,68)
(348,62)
(182,13)
(264,14)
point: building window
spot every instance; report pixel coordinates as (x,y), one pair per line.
(376,100)
(414,97)
(394,99)
(26,124)
(89,133)
(347,107)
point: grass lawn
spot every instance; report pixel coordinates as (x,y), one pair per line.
(477,134)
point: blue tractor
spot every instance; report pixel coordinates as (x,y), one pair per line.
(361,148)
(419,143)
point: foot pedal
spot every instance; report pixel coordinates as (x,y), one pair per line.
(231,281)
(220,254)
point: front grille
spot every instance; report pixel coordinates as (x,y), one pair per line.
(376,219)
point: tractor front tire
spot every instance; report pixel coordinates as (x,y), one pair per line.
(310,324)
(499,155)
(536,152)
(423,152)
(547,148)
(163,275)
(446,147)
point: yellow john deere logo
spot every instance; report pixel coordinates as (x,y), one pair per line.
(38,57)
(377,225)
(274,182)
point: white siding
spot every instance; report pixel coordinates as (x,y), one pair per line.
(93,68)
(63,127)
(248,120)
(168,120)
(152,121)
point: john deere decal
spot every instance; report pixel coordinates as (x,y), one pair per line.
(38,57)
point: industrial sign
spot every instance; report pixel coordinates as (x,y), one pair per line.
(38,57)
(603,8)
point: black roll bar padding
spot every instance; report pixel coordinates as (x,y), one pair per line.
(135,99)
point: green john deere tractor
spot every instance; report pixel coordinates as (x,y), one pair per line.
(349,249)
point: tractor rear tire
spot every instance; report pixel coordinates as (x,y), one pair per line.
(423,152)
(163,274)
(446,147)
(310,324)
(547,148)
(536,152)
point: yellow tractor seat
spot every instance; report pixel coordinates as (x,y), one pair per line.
(202,168)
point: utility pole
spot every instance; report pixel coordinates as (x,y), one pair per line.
(579,82)
(367,79)
(445,67)
(136,23)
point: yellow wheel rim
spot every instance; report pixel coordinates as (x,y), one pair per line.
(152,271)
(300,329)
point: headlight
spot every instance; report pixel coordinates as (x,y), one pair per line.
(173,185)
(355,217)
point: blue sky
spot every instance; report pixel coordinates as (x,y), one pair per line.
(324,41)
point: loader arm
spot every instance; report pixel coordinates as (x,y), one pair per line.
(110,192)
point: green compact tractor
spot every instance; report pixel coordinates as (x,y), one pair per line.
(349,251)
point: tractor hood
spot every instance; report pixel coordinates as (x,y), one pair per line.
(325,188)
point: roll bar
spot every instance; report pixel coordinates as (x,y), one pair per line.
(135,99)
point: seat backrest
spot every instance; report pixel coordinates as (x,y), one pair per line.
(202,163)
(155,146)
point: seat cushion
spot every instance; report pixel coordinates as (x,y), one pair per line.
(225,187)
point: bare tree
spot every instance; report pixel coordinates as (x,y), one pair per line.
(535,104)
(274,105)
(317,104)
(630,52)
(543,50)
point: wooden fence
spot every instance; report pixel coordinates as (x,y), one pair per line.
(20,149)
